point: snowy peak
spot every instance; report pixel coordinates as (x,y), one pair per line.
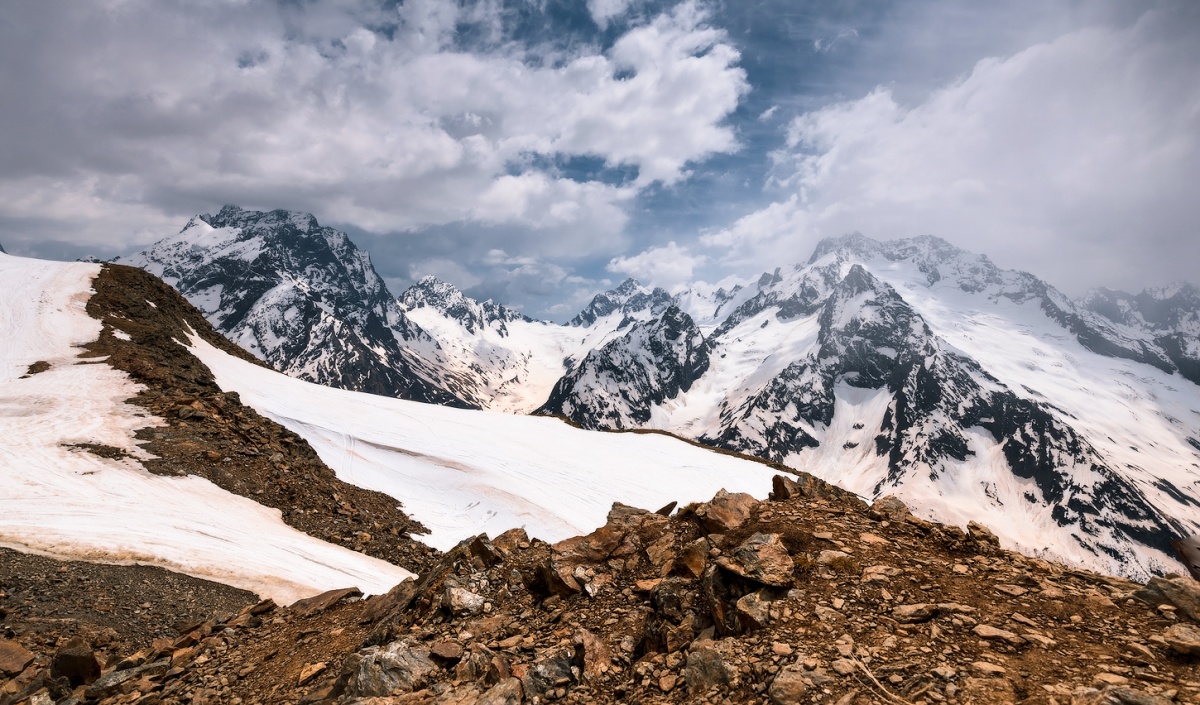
(629,298)
(452,303)
(301,296)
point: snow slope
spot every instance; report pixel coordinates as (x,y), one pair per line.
(463,472)
(69,503)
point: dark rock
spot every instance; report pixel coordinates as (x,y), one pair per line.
(706,669)
(320,603)
(762,558)
(76,662)
(1183,593)
(552,671)
(111,683)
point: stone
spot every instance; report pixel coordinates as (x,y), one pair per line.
(879,573)
(890,508)
(981,533)
(693,559)
(1119,695)
(76,662)
(790,686)
(506,692)
(945,672)
(1103,679)
(829,556)
(706,669)
(111,683)
(1181,592)
(13,657)
(511,541)
(1014,590)
(551,672)
(667,683)
(984,631)
(726,511)
(721,596)
(461,601)
(923,612)
(398,598)
(447,650)
(1183,639)
(594,653)
(843,667)
(754,610)
(763,559)
(988,669)
(661,553)
(320,603)
(311,671)
(397,667)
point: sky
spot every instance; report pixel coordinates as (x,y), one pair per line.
(539,151)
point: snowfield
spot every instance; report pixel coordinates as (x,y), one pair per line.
(69,503)
(463,472)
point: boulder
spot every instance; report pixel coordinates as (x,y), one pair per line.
(553,671)
(397,667)
(890,508)
(76,662)
(593,653)
(320,603)
(13,657)
(693,558)
(754,610)
(790,686)
(706,669)
(1183,639)
(461,601)
(1182,592)
(726,511)
(763,559)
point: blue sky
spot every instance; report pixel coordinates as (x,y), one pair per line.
(537,151)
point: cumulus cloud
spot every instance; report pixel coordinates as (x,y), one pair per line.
(1075,159)
(380,118)
(670,266)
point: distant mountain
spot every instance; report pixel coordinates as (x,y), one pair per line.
(302,297)
(907,367)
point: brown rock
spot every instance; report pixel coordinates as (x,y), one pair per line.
(754,610)
(76,662)
(506,692)
(890,508)
(1183,639)
(693,558)
(13,657)
(988,669)
(320,603)
(923,612)
(595,654)
(706,669)
(763,559)
(1183,593)
(511,541)
(310,671)
(984,631)
(447,650)
(783,488)
(790,686)
(981,533)
(726,512)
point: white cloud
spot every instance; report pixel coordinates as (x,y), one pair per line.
(605,11)
(670,266)
(1076,159)
(174,107)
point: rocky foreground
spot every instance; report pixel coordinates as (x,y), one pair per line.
(810,597)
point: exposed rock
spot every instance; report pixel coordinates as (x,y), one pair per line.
(694,557)
(447,650)
(462,602)
(550,672)
(1183,639)
(726,511)
(13,657)
(923,612)
(76,662)
(763,559)
(790,686)
(593,653)
(311,671)
(705,669)
(320,603)
(396,667)
(890,508)
(988,669)
(1181,592)
(984,631)
(754,610)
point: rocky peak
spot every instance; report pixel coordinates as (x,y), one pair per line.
(450,301)
(628,298)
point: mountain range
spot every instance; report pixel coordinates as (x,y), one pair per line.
(906,367)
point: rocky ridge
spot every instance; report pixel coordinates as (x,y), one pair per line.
(810,597)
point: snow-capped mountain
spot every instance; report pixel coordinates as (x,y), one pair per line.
(907,367)
(914,368)
(302,297)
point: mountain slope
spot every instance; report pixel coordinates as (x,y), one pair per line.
(300,296)
(914,368)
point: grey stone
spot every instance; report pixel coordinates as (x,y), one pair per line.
(1183,639)
(396,667)
(461,601)
(706,669)
(1182,592)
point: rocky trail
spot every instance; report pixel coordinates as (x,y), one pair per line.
(809,597)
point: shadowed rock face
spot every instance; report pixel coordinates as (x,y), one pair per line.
(301,297)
